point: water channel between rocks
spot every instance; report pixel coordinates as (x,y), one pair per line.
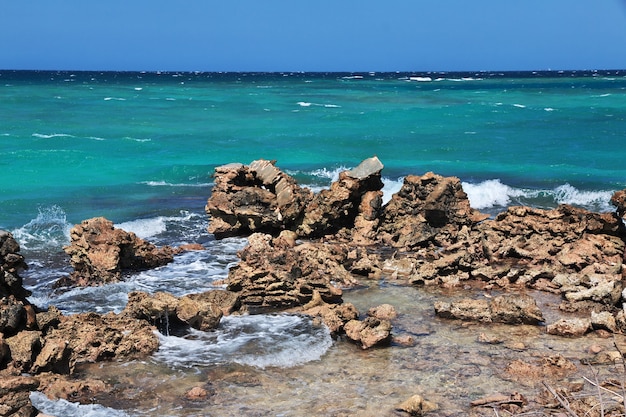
(446,365)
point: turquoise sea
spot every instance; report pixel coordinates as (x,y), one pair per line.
(130,145)
(140,149)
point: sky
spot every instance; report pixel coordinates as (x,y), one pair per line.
(318,35)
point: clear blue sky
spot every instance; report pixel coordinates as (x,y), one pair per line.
(316,35)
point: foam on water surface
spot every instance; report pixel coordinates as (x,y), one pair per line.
(261,341)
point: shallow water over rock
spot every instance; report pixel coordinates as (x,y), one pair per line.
(448,362)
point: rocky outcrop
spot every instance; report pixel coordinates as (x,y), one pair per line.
(254,198)
(11,263)
(259,198)
(278,273)
(101,253)
(355,194)
(201,311)
(427,209)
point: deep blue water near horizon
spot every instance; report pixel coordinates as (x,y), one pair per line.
(141,148)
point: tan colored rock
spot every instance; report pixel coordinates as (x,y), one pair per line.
(91,337)
(334,316)
(24,347)
(573,327)
(383,312)
(417,406)
(369,332)
(604,320)
(337,208)
(508,308)
(15,396)
(100,253)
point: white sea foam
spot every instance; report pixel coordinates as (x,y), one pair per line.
(49,229)
(493,193)
(420,79)
(170,184)
(114,99)
(490,193)
(261,341)
(309,104)
(145,228)
(64,408)
(567,194)
(521,106)
(390,187)
(548,109)
(53,135)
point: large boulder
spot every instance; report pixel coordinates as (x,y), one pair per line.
(101,253)
(427,209)
(260,198)
(254,198)
(201,311)
(355,195)
(90,337)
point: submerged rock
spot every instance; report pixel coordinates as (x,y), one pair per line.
(417,406)
(101,253)
(509,309)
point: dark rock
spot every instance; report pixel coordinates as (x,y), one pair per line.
(11,263)
(15,396)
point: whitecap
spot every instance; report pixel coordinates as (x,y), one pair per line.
(138,88)
(114,99)
(280,340)
(64,408)
(304,104)
(145,228)
(420,79)
(568,194)
(170,184)
(521,106)
(53,135)
(548,109)
(490,193)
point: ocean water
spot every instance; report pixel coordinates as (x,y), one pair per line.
(140,149)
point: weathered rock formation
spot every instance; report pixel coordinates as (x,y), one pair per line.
(254,198)
(11,263)
(427,209)
(101,253)
(260,198)
(201,311)
(278,273)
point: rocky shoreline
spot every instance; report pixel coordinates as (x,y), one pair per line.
(304,251)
